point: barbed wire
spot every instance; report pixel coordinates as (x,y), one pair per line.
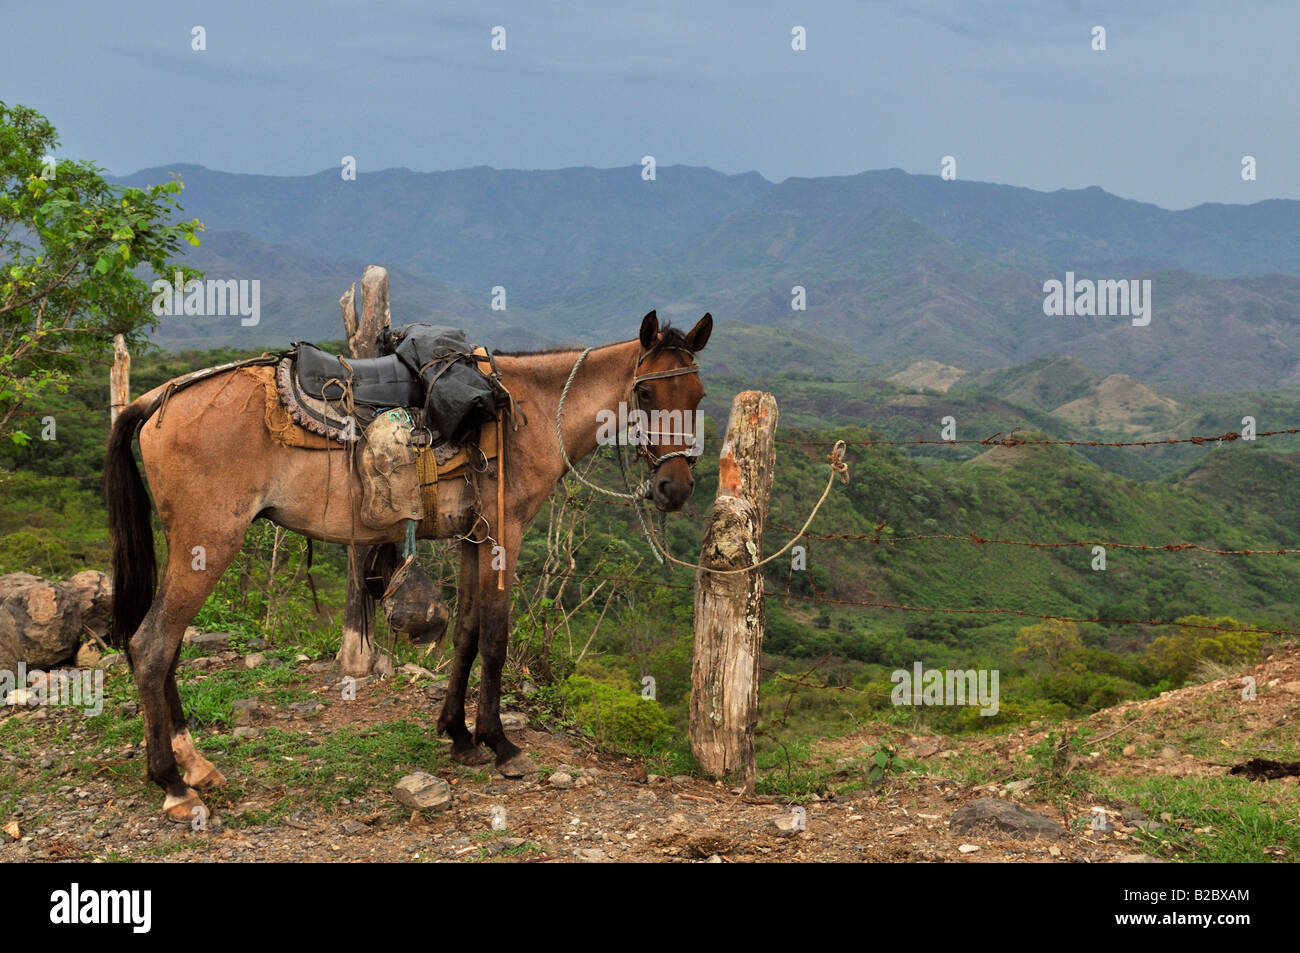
(997,440)
(878,537)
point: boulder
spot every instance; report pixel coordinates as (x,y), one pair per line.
(40,622)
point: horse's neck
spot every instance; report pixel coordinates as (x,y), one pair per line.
(603,380)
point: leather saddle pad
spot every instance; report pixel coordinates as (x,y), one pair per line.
(376,381)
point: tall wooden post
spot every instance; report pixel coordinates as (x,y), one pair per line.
(119,379)
(729,611)
(357,654)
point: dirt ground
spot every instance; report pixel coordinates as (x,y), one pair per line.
(75,804)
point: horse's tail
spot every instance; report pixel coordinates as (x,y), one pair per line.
(130,522)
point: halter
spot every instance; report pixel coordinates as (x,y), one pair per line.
(643,448)
(643,489)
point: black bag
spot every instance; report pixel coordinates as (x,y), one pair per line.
(458,398)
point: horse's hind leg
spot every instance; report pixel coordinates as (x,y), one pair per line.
(199,772)
(493,636)
(155,649)
(452,718)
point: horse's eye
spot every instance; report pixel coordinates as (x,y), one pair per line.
(642,392)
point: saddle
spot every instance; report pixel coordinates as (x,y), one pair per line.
(375,381)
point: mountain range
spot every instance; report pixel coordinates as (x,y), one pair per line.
(894,267)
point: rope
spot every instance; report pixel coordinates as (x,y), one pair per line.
(838,468)
(639,493)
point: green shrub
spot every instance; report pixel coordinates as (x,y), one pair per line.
(616,715)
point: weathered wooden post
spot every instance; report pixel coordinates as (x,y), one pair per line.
(729,610)
(357,654)
(119,379)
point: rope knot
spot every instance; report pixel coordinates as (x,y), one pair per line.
(837,461)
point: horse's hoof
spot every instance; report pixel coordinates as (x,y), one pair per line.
(185,809)
(211,778)
(471,754)
(517,767)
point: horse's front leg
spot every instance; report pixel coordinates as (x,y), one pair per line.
(493,636)
(451,721)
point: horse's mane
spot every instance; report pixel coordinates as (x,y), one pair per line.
(670,338)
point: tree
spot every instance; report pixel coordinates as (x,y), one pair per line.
(1047,642)
(77,255)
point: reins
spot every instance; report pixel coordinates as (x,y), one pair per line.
(642,492)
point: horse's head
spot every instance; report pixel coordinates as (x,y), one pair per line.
(667,389)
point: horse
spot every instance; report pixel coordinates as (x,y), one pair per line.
(213,469)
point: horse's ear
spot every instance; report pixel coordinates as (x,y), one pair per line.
(649,330)
(699,335)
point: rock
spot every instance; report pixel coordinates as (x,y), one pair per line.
(246,710)
(247,731)
(94,592)
(785,826)
(968,848)
(1167,753)
(307,708)
(1150,826)
(514,720)
(1291,687)
(1132,813)
(88,655)
(993,813)
(423,792)
(383,665)
(20,696)
(129,709)
(254,660)
(255,644)
(40,623)
(589,855)
(317,667)
(1136,859)
(638,774)
(681,779)
(208,641)
(415,671)
(436,690)
(560,779)
(1016,787)
(1130,750)
(112,660)
(354,827)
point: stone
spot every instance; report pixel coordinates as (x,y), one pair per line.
(1291,687)
(255,644)
(990,813)
(208,641)
(383,665)
(1167,753)
(1137,859)
(40,623)
(94,591)
(88,655)
(785,826)
(968,848)
(514,720)
(423,792)
(560,779)
(247,731)
(415,671)
(589,855)
(436,690)
(254,660)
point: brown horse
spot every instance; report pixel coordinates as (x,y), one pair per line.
(214,468)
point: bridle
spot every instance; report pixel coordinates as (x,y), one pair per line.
(643,490)
(644,447)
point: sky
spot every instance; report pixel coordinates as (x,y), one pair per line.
(1012,89)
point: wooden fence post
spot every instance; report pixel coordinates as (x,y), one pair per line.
(356,654)
(729,611)
(119,379)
